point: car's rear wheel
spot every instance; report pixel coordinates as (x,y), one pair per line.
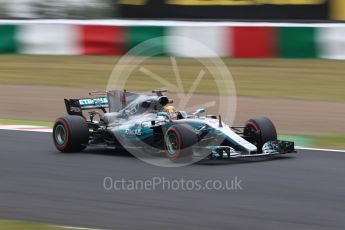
(70,134)
(260,130)
(179,140)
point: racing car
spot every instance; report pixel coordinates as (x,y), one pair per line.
(149,123)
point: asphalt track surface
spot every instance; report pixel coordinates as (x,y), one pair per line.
(306,191)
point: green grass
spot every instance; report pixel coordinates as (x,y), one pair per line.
(314,79)
(335,141)
(18,225)
(317,141)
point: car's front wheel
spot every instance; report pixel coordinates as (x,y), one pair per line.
(260,130)
(179,140)
(70,134)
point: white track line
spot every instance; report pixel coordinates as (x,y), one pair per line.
(28,128)
(32,128)
(77,228)
(323,150)
(124,22)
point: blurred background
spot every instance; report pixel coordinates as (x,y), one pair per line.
(287,61)
(286,57)
(77,9)
(296,10)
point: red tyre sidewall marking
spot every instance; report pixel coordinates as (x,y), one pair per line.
(253,125)
(180,144)
(64,124)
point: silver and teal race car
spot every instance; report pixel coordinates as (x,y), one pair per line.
(149,124)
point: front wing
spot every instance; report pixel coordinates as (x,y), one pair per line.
(270,148)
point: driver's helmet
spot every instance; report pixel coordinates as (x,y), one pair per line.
(172,113)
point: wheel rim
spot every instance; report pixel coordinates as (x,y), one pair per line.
(172,144)
(60,134)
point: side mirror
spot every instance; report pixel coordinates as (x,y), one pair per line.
(163,114)
(201,110)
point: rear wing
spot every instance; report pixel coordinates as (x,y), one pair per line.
(76,106)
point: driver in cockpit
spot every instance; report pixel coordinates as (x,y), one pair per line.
(171,111)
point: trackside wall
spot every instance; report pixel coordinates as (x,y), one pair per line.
(237,41)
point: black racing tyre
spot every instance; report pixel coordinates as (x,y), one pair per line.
(70,134)
(260,130)
(179,140)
